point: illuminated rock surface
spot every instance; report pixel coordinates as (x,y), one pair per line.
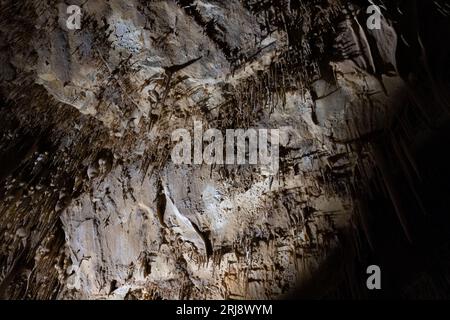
(92,205)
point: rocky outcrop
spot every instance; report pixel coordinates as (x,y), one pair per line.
(92,205)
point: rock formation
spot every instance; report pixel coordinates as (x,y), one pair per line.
(91,205)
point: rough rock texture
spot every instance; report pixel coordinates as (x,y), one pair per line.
(92,205)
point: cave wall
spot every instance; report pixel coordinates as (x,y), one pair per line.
(93,207)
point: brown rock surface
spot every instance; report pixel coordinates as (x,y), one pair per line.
(92,205)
